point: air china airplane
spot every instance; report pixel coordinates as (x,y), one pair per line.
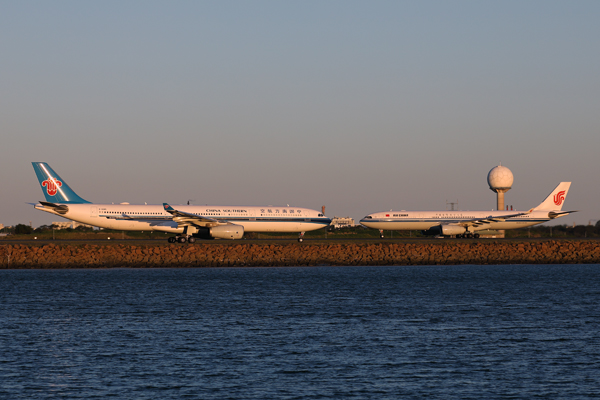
(465,224)
(188,222)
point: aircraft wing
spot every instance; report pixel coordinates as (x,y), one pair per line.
(186,219)
(476,222)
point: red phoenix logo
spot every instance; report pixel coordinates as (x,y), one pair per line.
(559,197)
(52,186)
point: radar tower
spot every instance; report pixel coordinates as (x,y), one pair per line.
(500,180)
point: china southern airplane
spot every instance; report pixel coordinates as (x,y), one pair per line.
(465,224)
(188,222)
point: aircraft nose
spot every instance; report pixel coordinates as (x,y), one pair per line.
(365,221)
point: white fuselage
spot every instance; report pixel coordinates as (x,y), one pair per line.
(423,220)
(130,217)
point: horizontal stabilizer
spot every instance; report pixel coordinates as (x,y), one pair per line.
(58,208)
(553,214)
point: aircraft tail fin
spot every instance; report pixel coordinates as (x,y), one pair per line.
(54,187)
(556,199)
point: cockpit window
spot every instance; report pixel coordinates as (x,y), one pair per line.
(368,217)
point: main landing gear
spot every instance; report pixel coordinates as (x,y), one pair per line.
(381,233)
(301,237)
(468,235)
(181,239)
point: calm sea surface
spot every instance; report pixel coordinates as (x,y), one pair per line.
(472,332)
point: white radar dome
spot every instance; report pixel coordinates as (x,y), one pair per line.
(500,178)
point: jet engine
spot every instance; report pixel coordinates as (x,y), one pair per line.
(449,230)
(221,232)
(445,230)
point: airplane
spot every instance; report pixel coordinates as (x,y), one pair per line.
(465,224)
(187,222)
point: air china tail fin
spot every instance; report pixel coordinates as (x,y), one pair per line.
(556,199)
(54,187)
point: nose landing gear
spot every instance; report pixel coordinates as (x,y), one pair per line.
(301,237)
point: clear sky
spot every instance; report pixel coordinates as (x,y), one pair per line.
(361,106)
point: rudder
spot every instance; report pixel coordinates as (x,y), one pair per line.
(54,187)
(556,199)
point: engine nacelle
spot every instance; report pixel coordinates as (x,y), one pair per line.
(221,232)
(445,230)
(450,230)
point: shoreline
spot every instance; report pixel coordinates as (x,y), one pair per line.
(122,255)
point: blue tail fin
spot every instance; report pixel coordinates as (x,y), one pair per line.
(54,187)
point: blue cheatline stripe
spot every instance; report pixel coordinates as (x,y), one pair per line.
(320,221)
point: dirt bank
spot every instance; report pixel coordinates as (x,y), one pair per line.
(239,255)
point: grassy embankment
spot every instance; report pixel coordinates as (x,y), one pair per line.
(557,232)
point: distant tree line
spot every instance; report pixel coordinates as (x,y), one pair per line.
(47,228)
(577,231)
(22,229)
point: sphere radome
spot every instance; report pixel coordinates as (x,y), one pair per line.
(500,178)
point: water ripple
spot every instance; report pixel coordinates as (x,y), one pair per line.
(439,332)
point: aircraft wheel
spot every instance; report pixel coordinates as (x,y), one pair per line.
(459,236)
(476,236)
(181,239)
(300,240)
(171,240)
(469,235)
(191,239)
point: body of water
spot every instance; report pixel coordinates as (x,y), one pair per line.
(438,332)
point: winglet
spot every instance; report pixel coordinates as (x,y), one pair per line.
(168,208)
